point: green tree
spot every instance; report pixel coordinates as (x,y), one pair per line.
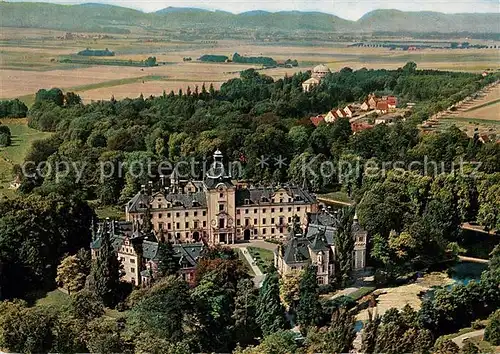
(337,338)
(270,311)
(168,264)
(344,245)
(70,274)
(469,348)
(446,347)
(245,328)
(162,310)
(25,330)
(309,307)
(86,306)
(369,334)
(104,279)
(492,330)
(104,336)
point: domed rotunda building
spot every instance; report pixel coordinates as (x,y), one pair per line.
(318,73)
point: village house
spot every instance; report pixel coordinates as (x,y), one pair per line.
(349,111)
(138,251)
(372,101)
(365,106)
(331,116)
(316,246)
(217,210)
(316,120)
(382,107)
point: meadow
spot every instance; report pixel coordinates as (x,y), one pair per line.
(22,138)
(30,60)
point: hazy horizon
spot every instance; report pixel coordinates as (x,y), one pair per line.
(351,10)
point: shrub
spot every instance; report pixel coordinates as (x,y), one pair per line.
(492,331)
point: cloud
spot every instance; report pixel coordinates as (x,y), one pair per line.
(348,9)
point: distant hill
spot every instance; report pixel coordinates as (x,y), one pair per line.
(426,21)
(113,19)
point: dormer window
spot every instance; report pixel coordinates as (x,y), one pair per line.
(247,201)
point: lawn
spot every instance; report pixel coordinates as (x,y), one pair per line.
(340,197)
(55,299)
(263,258)
(22,138)
(112,212)
(358,294)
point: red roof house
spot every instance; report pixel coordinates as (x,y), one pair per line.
(317,120)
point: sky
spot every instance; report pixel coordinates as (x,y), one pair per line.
(348,9)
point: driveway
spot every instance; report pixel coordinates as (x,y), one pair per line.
(460,339)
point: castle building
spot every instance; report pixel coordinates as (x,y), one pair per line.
(318,73)
(138,252)
(316,246)
(217,210)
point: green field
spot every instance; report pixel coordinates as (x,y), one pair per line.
(22,138)
(263,258)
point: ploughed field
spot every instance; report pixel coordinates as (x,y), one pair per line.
(30,60)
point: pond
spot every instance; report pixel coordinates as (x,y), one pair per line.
(465,272)
(461,273)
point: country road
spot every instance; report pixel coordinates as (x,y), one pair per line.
(460,339)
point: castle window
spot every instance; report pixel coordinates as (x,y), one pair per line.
(281,210)
(255,231)
(204,224)
(160,215)
(289,209)
(177,215)
(247,201)
(160,206)
(169,226)
(264,211)
(187,225)
(122,259)
(221,207)
(186,214)
(272,220)
(272,230)
(246,211)
(160,226)
(289,219)
(255,221)
(132,260)
(298,208)
(195,223)
(247,222)
(168,215)
(255,211)
(264,231)
(204,213)
(177,225)
(238,212)
(238,222)
(264,221)
(290,200)
(195,213)
(132,270)
(221,195)
(272,210)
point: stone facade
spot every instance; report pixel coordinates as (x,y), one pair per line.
(138,252)
(316,246)
(218,210)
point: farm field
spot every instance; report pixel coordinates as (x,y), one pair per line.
(482,113)
(29,59)
(22,138)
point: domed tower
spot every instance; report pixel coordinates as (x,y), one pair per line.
(320,71)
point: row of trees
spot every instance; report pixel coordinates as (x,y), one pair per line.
(5,135)
(13,109)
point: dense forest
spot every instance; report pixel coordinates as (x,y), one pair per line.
(413,215)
